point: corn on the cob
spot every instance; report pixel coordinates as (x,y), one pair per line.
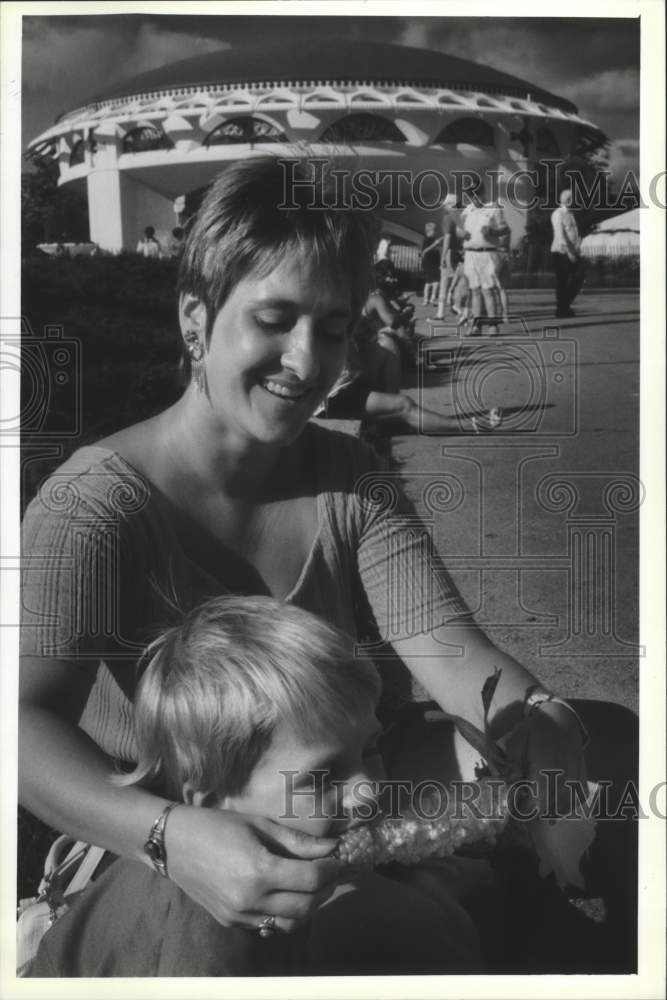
(412,838)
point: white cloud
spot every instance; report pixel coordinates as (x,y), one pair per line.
(623,156)
(415,33)
(614,90)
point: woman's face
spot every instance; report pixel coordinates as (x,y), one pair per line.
(277,346)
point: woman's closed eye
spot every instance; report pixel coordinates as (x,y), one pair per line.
(275,321)
(333,330)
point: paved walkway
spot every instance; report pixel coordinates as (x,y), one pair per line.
(537,522)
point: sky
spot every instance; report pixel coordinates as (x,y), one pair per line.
(594,62)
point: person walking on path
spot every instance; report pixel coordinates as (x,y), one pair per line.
(449,252)
(504,274)
(430,257)
(566,256)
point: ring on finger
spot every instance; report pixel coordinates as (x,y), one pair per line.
(267,927)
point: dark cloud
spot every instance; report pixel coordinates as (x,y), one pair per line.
(592,61)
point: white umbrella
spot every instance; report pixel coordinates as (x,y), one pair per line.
(615,237)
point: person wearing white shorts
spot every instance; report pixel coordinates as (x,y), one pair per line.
(483,225)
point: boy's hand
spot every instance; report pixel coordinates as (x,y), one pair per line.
(245,868)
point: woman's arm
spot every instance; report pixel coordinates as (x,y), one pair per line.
(453,663)
(239,869)
(420,613)
(63,775)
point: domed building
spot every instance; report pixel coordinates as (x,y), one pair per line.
(143,148)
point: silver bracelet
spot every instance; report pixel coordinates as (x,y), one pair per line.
(535,698)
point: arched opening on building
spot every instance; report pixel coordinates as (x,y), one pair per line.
(362,128)
(244,129)
(146,139)
(471,131)
(78,154)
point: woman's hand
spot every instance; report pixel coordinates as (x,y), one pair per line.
(245,868)
(547,748)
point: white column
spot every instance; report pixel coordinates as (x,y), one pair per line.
(104,190)
(105,209)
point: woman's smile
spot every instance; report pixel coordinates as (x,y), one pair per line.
(288,391)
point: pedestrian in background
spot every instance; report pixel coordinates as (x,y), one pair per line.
(449,251)
(566,256)
(149,246)
(430,264)
(484,225)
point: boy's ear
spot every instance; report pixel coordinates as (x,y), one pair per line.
(192,315)
(194,797)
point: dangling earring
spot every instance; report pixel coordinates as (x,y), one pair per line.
(196,352)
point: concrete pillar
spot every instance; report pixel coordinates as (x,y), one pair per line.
(104,209)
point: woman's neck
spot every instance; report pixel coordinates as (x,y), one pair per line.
(216,457)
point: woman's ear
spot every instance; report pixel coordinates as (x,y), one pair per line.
(192,315)
(192,797)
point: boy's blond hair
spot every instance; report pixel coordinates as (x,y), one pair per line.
(218,684)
